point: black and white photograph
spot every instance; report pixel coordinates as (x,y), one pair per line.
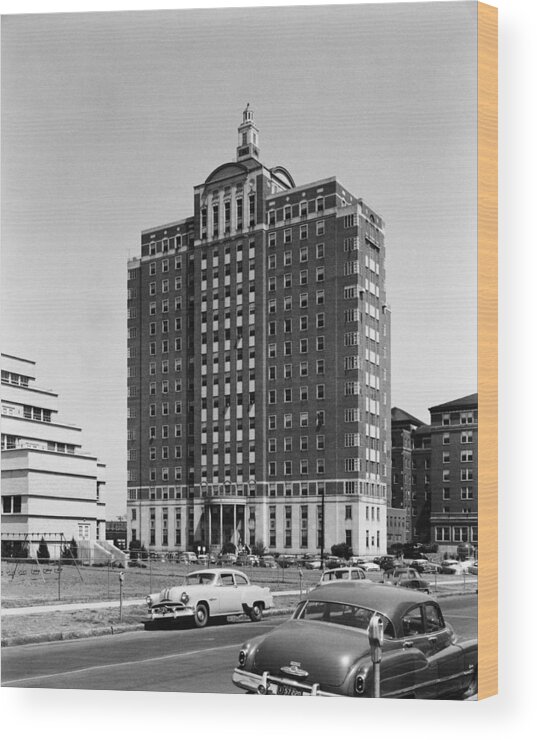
(239,351)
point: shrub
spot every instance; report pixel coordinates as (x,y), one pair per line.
(43,554)
(229,547)
(259,548)
(342,550)
(135,547)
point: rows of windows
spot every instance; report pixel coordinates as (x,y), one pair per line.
(168,243)
(303,418)
(456,534)
(286,468)
(464,417)
(302,210)
(302,345)
(287,395)
(465,474)
(303,372)
(15,379)
(466,493)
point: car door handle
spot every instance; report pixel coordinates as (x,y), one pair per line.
(432,640)
(408,644)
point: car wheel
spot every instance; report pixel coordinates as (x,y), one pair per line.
(256,613)
(201,615)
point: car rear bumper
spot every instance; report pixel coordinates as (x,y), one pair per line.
(267,684)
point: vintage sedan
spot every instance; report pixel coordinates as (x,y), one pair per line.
(408,578)
(215,592)
(343,574)
(324,648)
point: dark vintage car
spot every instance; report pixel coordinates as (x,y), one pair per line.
(408,578)
(324,648)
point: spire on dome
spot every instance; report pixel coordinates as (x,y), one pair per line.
(248,136)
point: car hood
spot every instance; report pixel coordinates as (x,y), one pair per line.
(325,651)
(173,594)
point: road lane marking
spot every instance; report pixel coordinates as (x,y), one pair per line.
(119,665)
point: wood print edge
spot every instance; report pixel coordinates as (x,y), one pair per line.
(487,47)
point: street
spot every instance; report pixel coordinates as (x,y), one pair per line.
(179,659)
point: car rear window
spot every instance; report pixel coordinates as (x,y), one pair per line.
(345,615)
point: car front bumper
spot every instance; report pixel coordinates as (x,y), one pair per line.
(167,612)
(267,684)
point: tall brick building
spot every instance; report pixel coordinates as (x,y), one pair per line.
(259,367)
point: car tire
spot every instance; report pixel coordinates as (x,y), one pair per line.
(256,613)
(201,615)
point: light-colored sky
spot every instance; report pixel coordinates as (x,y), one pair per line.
(110,119)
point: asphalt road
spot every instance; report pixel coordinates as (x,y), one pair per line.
(179,659)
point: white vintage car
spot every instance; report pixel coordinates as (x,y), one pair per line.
(215,592)
(343,574)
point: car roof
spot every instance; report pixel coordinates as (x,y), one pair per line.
(217,571)
(391,601)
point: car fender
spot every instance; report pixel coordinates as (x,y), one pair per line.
(400,670)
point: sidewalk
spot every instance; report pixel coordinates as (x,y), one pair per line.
(47,608)
(74,607)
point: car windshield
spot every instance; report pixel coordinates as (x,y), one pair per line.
(195,579)
(346,615)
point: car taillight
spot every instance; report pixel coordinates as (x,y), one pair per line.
(359,684)
(242,657)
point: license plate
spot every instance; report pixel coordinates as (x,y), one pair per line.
(283,690)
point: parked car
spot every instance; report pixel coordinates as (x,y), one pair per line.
(190,558)
(267,561)
(214,592)
(227,558)
(324,648)
(473,568)
(409,578)
(313,563)
(367,565)
(452,567)
(343,574)
(285,561)
(428,567)
(332,561)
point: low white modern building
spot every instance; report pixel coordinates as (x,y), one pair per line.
(51,488)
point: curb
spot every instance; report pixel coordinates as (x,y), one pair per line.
(115,629)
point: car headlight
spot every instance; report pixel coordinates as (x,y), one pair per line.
(242,657)
(185,598)
(149,601)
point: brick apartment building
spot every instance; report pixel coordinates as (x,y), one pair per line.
(443,473)
(400,513)
(259,367)
(454,467)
